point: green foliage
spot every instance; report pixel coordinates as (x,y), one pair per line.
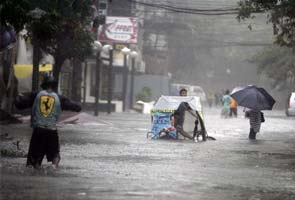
(281,13)
(278,64)
(62,31)
(14,13)
(144,95)
(65,26)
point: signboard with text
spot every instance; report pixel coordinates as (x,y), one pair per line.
(160,121)
(119,30)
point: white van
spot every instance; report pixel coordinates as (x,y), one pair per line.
(290,109)
(192,90)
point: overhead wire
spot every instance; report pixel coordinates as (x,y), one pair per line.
(190,3)
(216,45)
(163,7)
(187,8)
(215,11)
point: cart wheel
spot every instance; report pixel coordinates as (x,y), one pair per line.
(204,135)
(149,135)
(198,134)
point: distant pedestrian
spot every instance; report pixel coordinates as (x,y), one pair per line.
(255,122)
(210,99)
(226,104)
(46,110)
(217,99)
(233,108)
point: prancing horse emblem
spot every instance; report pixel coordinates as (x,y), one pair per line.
(46,105)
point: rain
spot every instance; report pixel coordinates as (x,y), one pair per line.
(105,77)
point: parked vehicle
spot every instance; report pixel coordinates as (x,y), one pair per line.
(192,90)
(290,108)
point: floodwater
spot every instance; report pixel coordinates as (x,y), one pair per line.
(114,160)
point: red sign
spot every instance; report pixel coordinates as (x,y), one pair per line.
(119,30)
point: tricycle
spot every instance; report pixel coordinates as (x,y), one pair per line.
(168,117)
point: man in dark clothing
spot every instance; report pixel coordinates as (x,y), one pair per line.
(179,119)
(179,115)
(45,113)
(46,108)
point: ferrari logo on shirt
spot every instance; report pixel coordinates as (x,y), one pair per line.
(46,105)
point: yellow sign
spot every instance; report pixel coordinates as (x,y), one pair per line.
(21,71)
(119,46)
(46,105)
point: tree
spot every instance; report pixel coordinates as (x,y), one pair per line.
(278,64)
(63,31)
(144,95)
(281,13)
(12,16)
(14,13)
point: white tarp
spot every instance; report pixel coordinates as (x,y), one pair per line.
(172,102)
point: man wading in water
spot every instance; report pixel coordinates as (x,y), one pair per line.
(46,110)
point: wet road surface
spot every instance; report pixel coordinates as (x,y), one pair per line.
(114,160)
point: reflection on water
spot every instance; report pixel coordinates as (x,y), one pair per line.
(118,162)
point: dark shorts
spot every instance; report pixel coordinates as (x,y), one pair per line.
(43,142)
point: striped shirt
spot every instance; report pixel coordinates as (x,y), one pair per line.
(255,120)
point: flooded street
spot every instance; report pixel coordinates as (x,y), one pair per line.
(168,57)
(114,160)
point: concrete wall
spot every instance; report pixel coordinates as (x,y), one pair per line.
(158,84)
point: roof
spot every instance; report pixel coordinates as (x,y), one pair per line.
(172,102)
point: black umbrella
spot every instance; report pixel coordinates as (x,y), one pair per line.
(254,97)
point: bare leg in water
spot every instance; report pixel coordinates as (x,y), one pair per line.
(56,161)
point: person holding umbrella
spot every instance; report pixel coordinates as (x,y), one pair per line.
(256,99)
(255,122)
